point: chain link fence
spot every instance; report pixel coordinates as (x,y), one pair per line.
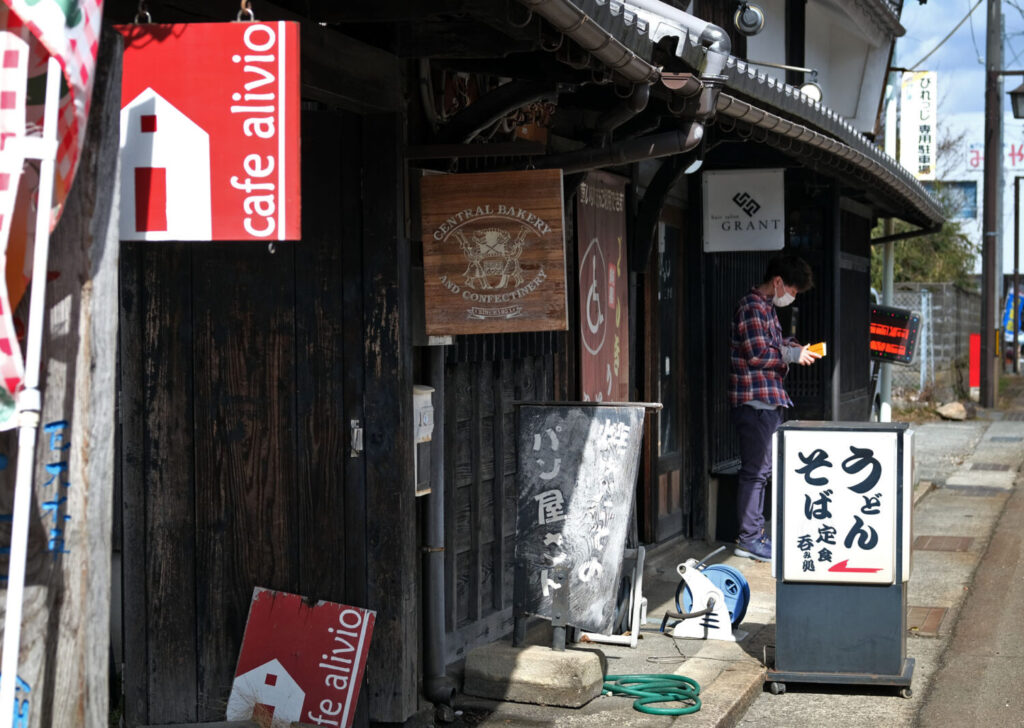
(948,316)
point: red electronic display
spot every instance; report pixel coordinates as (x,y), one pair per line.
(894,334)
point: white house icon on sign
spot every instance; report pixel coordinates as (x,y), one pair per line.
(165,172)
(268,690)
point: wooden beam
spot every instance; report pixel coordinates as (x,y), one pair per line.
(468,151)
(66,624)
(458,39)
(392,669)
(331,11)
(347,73)
(337,70)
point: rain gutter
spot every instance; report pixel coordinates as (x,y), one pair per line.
(864,156)
(705,47)
(906,236)
(575,23)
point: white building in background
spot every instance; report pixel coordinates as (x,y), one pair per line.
(846,43)
(966,166)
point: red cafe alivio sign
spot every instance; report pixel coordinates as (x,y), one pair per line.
(301,661)
(210,131)
(493,252)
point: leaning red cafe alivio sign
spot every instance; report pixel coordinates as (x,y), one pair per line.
(301,661)
(210,131)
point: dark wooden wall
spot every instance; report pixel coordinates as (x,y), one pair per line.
(482,383)
(241,371)
(728,277)
(855,296)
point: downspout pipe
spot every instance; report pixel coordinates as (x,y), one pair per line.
(662,20)
(666,20)
(627,152)
(635,103)
(653,201)
(591,37)
(437,686)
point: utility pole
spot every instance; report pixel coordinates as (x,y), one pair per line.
(993,158)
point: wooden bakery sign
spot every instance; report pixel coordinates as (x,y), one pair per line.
(493,252)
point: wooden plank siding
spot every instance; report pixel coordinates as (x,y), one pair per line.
(480,459)
(241,368)
(854,263)
(245,459)
(392,575)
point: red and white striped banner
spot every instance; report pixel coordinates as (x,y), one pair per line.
(31,32)
(14,64)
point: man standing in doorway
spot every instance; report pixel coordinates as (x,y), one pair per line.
(759,359)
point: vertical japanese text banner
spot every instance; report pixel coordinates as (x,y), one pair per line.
(918,115)
(604,293)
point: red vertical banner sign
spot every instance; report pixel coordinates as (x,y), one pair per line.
(603,286)
(210,131)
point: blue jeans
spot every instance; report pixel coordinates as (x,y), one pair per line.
(755,428)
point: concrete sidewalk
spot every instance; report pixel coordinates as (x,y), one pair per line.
(952,460)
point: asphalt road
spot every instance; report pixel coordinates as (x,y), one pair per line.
(980,680)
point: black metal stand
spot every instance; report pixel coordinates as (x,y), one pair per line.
(876,367)
(559,606)
(777,679)
(841,630)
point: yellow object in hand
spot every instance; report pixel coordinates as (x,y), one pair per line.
(819,348)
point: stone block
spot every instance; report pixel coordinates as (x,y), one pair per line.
(952,411)
(534,674)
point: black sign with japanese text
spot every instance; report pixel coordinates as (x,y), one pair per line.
(576,479)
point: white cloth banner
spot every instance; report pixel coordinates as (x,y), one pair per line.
(919,102)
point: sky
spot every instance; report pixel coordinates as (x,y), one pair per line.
(960,65)
(960,60)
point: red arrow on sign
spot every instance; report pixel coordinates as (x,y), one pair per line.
(842,567)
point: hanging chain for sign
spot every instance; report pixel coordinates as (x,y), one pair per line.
(246,12)
(143,12)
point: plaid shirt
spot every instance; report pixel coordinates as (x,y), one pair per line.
(757,366)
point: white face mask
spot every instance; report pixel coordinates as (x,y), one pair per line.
(785,299)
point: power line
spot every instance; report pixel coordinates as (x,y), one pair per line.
(1016,54)
(974,40)
(948,36)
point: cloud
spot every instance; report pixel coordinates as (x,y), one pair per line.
(961,77)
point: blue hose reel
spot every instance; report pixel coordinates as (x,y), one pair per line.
(730,581)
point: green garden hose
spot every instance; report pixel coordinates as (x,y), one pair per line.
(652,689)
